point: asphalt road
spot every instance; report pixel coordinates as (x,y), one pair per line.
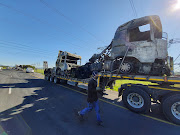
(30,105)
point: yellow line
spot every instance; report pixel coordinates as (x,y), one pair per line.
(106,75)
(141,114)
(160,120)
(125,77)
(163,88)
(140,78)
(173,80)
(151,79)
(157,79)
(72,89)
(116,76)
(163,121)
(114,104)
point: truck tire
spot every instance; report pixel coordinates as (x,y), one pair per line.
(58,71)
(63,81)
(46,78)
(171,108)
(136,100)
(126,67)
(51,78)
(56,80)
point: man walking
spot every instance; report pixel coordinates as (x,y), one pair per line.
(92,99)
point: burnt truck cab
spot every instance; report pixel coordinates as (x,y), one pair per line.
(66,61)
(145,45)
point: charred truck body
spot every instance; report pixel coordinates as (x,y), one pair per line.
(136,49)
(66,63)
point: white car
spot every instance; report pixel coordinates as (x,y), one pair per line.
(29,70)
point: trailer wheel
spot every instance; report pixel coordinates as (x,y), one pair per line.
(171,108)
(63,81)
(47,78)
(136,100)
(51,79)
(56,80)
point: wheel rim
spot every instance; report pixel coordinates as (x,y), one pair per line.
(135,100)
(175,109)
(125,67)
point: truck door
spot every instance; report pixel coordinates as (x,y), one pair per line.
(141,38)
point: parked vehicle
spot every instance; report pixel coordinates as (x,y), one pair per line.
(29,70)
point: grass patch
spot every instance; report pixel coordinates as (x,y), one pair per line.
(121,82)
(177,85)
(39,71)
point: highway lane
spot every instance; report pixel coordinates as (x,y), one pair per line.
(38,107)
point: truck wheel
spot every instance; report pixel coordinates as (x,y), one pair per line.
(126,67)
(51,79)
(56,80)
(171,108)
(63,81)
(136,100)
(58,71)
(47,78)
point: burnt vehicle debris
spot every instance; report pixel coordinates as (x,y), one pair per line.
(138,47)
(66,64)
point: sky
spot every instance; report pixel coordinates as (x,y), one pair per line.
(31,32)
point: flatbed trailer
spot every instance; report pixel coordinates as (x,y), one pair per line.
(138,97)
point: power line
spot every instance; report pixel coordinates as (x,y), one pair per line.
(27,47)
(21,54)
(174,41)
(72,44)
(68,19)
(43,22)
(177,57)
(133,8)
(24,50)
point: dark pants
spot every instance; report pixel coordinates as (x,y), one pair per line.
(92,105)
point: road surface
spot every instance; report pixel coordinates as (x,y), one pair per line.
(32,106)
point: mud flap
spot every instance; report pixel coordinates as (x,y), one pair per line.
(120,91)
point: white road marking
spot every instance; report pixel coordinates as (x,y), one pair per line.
(9,90)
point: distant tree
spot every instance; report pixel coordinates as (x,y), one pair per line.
(28,66)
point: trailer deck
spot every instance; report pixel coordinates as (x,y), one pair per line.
(153,79)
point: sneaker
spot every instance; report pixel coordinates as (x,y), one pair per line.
(80,116)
